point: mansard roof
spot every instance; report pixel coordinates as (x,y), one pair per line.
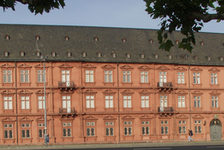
(103,44)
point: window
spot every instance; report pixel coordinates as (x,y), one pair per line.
(66,103)
(197,126)
(127,101)
(126,76)
(89,76)
(24,76)
(109,128)
(145,127)
(90,102)
(144,77)
(214,78)
(144,101)
(196,78)
(162,77)
(197,101)
(41,74)
(215,102)
(109,102)
(108,76)
(67,130)
(127,128)
(163,102)
(180,78)
(182,127)
(65,76)
(25,102)
(181,101)
(7,76)
(8,131)
(25,130)
(7,102)
(41,131)
(41,102)
(164,127)
(90,130)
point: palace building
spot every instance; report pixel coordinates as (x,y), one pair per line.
(108,85)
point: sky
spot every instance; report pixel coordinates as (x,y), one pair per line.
(102,13)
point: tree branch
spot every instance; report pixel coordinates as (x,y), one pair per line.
(208,17)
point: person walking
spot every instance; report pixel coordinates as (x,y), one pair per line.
(190,134)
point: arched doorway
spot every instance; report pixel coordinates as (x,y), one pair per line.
(215,129)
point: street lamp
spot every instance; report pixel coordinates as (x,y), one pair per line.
(45,105)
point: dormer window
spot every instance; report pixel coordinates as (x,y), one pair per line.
(151,41)
(7,37)
(84,54)
(69,54)
(99,54)
(156,56)
(6,54)
(66,38)
(38,54)
(96,39)
(22,53)
(124,40)
(170,56)
(209,58)
(53,54)
(37,37)
(221,59)
(202,43)
(128,55)
(114,55)
(142,56)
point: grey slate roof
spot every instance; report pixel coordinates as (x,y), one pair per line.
(82,40)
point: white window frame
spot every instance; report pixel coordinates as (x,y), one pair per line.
(25,102)
(197,101)
(66,103)
(41,76)
(181,102)
(180,78)
(24,76)
(126,76)
(163,102)
(196,78)
(127,101)
(214,78)
(162,77)
(8,102)
(65,76)
(41,102)
(109,101)
(215,101)
(108,76)
(89,76)
(90,101)
(7,76)
(144,77)
(144,101)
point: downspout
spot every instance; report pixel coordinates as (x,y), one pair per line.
(17,130)
(82,113)
(118,105)
(189,95)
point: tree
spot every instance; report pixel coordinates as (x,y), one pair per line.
(35,6)
(187,16)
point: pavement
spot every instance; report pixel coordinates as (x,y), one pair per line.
(100,145)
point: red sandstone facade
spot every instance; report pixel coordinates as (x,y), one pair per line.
(110,102)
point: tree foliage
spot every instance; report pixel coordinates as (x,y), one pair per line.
(35,6)
(187,16)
